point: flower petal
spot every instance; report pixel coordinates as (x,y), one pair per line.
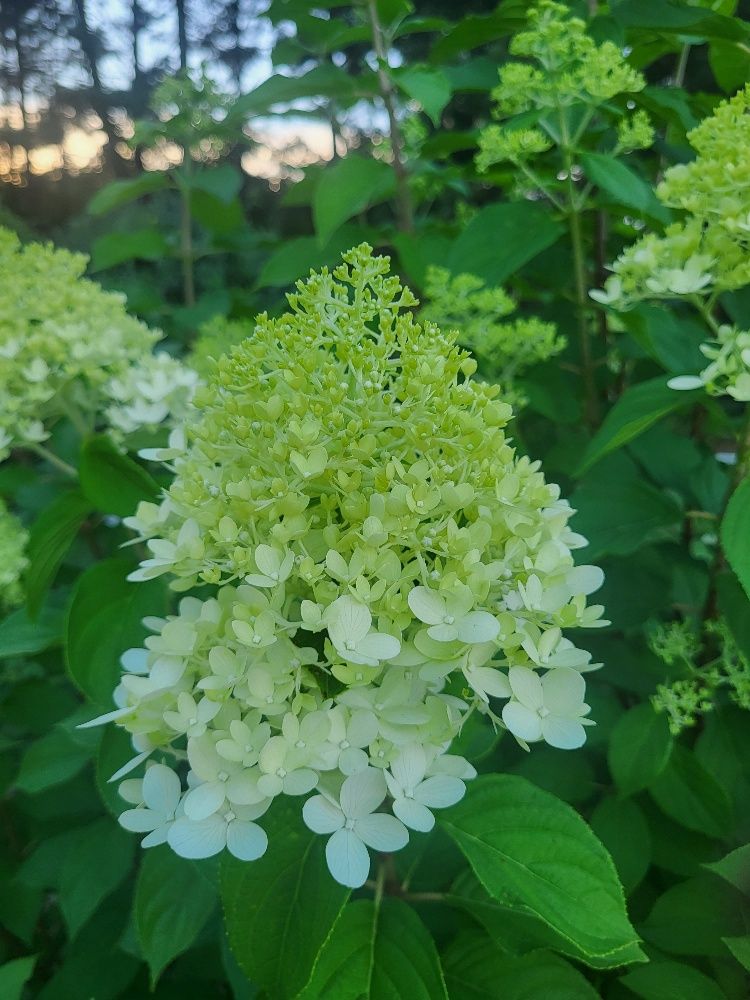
(564,690)
(161,788)
(348,860)
(564,734)
(347,619)
(477,626)
(352,760)
(522,722)
(300,782)
(409,767)
(526,686)
(427,605)
(140,820)
(362,793)
(246,841)
(200,839)
(203,800)
(322,816)
(379,646)
(414,814)
(440,791)
(382,832)
(489,680)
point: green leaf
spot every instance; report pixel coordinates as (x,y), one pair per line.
(730,64)
(51,536)
(324,80)
(691,918)
(115,748)
(97,861)
(639,748)
(295,258)
(525,843)
(622,828)
(223,182)
(173,902)
(14,975)
(671,981)
(119,193)
(474,30)
(740,948)
(671,339)
(735,868)
(620,516)
(515,927)
(634,412)
(346,189)
(117,248)
(687,793)
(280,910)
(220,218)
(500,239)
(112,481)
(381,952)
(104,619)
(20,636)
(430,87)
(735,533)
(673,17)
(624,185)
(49,761)
(476,969)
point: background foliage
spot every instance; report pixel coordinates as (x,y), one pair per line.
(522,890)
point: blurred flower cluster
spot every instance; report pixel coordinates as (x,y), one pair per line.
(68,349)
(708,251)
(504,348)
(709,662)
(384,565)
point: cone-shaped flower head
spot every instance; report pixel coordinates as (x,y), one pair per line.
(382,557)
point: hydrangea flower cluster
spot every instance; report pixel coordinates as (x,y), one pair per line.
(712,662)
(566,67)
(69,348)
(706,253)
(383,563)
(13,562)
(504,349)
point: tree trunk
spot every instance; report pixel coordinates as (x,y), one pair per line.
(87,41)
(182,33)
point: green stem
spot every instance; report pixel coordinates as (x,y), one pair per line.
(679,75)
(53,459)
(186,233)
(403,195)
(741,471)
(579,272)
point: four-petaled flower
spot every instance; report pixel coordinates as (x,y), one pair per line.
(450,617)
(156,798)
(549,708)
(355,826)
(414,794)
(349,623)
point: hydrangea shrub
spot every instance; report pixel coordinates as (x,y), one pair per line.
(382,563)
